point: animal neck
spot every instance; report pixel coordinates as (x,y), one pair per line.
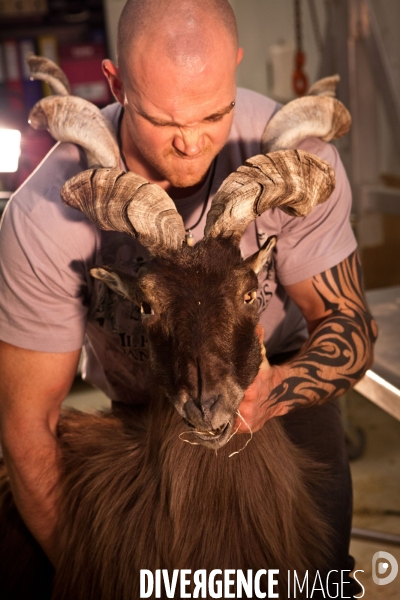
(247,481)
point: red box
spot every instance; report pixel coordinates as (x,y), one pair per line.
(82,65)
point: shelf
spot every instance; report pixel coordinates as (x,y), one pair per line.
(44,24)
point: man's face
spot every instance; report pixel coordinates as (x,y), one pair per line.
(178,115)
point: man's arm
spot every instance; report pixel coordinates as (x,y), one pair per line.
(336,355)
(32,388)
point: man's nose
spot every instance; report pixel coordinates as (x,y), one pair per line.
(189,141)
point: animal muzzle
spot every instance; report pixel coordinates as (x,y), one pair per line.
(211,414)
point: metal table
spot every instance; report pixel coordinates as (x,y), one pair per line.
(381,384)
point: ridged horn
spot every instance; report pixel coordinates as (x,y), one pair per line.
(293,180)
(119,201)
(325,87)
(316,115)
(46,70)
(73,119)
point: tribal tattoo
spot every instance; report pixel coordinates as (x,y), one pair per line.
(339,350)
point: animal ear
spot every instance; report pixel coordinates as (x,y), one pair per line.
(121,283)
(259,259)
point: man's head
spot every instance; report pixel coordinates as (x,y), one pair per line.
(176,79)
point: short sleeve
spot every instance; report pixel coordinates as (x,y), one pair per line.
(313,244)
(43,267)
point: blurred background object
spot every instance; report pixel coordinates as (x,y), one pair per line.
(69,32)
(10,148)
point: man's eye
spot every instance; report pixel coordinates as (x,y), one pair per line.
(163,125)
(155,124)
(214,119)
(250,297)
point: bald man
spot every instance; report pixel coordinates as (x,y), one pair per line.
(183,125)
(178,99)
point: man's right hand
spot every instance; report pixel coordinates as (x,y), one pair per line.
(32,388)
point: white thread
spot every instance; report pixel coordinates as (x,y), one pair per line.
(250,438)
(234,433)
(230,437)
(187,441)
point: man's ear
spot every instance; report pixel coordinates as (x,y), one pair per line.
(239,56)
(121,283)
(259,259)
(111,72)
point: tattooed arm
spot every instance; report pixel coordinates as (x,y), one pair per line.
(336,355)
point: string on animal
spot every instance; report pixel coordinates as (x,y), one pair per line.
(234,433)
(250,438)
(187,441)
(211,434)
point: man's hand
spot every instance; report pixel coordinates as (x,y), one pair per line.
(336,355)
(255,409)
(32,387)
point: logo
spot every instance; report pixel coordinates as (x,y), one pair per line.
(384,563)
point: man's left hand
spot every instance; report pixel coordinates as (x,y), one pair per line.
(254,408)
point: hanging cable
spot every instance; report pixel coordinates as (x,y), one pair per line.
(319,41)
(299,79)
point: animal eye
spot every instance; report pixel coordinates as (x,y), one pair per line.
(146,309)
(250,297)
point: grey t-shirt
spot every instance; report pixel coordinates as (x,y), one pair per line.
(50,303)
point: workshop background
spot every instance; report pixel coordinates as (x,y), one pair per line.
(359,40)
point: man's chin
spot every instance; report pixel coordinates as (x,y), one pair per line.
(188,176)
(186,182)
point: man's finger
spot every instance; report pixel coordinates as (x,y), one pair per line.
(260,335)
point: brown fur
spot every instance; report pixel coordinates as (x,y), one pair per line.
(133,499)
(135,496)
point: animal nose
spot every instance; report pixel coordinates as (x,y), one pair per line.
(207,404)
(201,411)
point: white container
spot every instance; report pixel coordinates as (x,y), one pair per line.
(281,58)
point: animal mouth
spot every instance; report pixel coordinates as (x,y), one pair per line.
(209,435)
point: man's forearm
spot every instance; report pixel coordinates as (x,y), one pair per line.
(339,350)
(32,388)
(31,455)
(333,360)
